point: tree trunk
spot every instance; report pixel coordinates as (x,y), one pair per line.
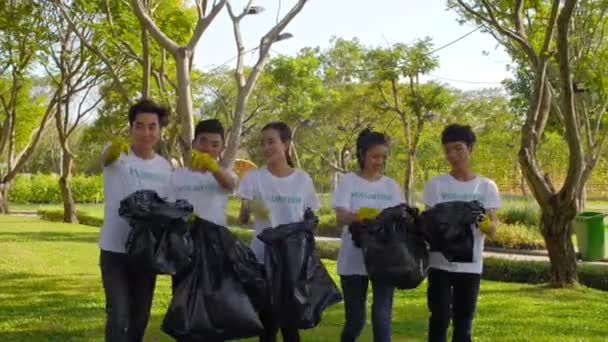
(4,191)
(409,178)
(69,206)
(556,230)
(184,103)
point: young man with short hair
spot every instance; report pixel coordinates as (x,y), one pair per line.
(129,167)
(205,184)
(453,287)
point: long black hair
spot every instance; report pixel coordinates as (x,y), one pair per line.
(285,135)
(366,140)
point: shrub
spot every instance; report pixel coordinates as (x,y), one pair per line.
(87,189)
(21,189)
(45,188)
(536,272)
(83,218)
(516,236)
(520,211)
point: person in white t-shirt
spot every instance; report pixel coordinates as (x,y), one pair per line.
(205,184)
(275,194)
(453,287)
(128,168)
(358,196)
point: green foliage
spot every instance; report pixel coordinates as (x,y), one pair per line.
(21,190)
(537,272)
(83,217)
(44,188)
(87,189)
(525,212)
(516,236)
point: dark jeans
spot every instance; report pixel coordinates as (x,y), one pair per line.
(129,291)
(271,328)
(452,296)
(354,289)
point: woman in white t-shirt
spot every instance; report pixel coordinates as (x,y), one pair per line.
(358,196)
(453,287)
(275,194)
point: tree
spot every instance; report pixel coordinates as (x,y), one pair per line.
(25,109)
(246,83)
(555,40)
(414,103)
(183,55)
(76,75)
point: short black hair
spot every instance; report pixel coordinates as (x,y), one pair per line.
(458,133)
(149,106)
(366,140)
(209,126)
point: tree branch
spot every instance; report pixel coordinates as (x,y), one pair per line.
(147,22)
(203,22)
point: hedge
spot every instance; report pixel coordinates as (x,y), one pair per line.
(83,218)
(44,188)
(498,269)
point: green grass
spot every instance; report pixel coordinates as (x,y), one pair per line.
(50,290)
(90,209)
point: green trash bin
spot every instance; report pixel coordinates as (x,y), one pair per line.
(590,235)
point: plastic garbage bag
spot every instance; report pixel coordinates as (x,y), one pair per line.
(210,301)
(447,228)
(159,239)
(394,249)
(300,286)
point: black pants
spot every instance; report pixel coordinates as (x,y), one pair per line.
(129,291)
(452,296)
(354,288)
(271,328)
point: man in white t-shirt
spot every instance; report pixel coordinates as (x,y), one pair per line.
(129,167)
(205,184)
(453,287)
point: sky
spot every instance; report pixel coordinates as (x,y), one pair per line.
(474,62)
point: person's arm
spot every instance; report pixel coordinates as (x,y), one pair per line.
(345,217)
(225,179)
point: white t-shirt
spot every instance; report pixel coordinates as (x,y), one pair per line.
(202,190)
(285,197)
(354,192)
(446,188)
(124,176)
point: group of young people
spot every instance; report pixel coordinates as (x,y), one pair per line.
(275,194)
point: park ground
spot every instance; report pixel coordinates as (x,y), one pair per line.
(50,290)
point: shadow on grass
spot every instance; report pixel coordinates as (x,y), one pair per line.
(50,308)
(21,235)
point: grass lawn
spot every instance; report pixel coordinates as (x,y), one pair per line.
(50,291)
(90,209)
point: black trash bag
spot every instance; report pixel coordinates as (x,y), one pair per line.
(394,249)
(447,228)
(159,239)
(210,302)
(300,286)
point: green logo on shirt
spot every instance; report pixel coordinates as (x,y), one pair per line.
(466,197)
(209,187)
(371,196)
(286,199)
(147,175)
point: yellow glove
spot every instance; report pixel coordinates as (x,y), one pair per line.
(118,146)
(204,162)
(365,213)
(259,210)
(485,224)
